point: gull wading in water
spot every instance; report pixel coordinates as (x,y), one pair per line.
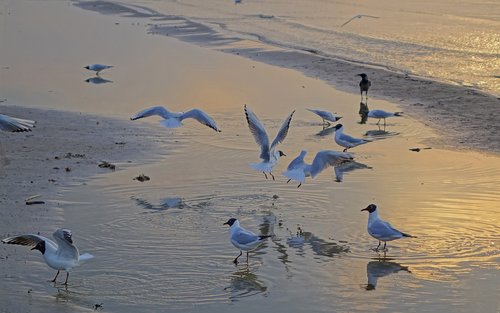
(268,153)
(14,124)
(62,255)
(381,114)
(347,141)
(174,119)
(326,116)
(97,68)
(243,239)
(380,229)
(298,169)
(358,16)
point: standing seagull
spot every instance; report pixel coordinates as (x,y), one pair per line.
(62,255)
(358,16)
(298,169)
(380,229)
(97,68)
(269,155)
(347,141)
(174,119)
(326,116)
(243,239)
(364,84)
(14,124)
(381,114)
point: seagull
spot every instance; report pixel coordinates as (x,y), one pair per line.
(243,239)
(358,16)
(62,255)
(174,119)
(298,169)
(381,114)
(347,141)
(97,68)
(380,229)
(268,154)
(14,124)
(364,84)
(326,116)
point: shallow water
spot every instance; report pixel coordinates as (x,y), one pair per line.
(161,246)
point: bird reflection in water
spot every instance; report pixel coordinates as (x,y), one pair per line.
(319,246)
(363,111)
(244,284)
(97,80)
(381,268)
(164,204)
(347,167)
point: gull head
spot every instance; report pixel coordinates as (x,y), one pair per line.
(338,126)
(371,208)
(230,222)
(40,247)
(281,153)
(87,67)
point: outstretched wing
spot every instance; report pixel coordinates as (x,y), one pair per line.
(326,158)
(13,124)
(280,137)
(30,240)
(157,110)
(201,117)
(259,133)
(64,238)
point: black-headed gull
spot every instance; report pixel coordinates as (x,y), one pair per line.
(243,239)
(14,124)
(380,229)
(174,119)
(358,16)
(97,68)
(268,153)
(364,84)
(326,116)
(59,255)
(381,114)
(298,169)
(347,141)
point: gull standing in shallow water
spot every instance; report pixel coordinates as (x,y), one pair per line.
(97,68)
(347,141)
(298,169)
(243,239)
(174,119)
(14,124)
(380,229)
(326,116)
(381,114)
(268,153)
(62,255)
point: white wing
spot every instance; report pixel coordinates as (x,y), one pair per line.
(201,117)
(157,110)
(65,240)
(259,133)
(280,137)
(329,116)
(12,124)
(326,158)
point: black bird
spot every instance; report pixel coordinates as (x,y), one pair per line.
(364,84)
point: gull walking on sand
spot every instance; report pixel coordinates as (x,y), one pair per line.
(62,255)
(298,169)
(381,114)
(243,239)
(268,153)
(174,119)
(97,68)
(380,229)
(364,84)
(347,141)
(14,124)
(358,16)
(326,116)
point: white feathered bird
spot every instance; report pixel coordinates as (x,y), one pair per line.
(381,114)
(14,124)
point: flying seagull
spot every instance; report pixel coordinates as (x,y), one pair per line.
(243,239)
(174,119)
(380,229)
(59,255)
(14,124)
(268,153)
(358,16)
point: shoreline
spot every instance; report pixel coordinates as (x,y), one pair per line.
(465,118)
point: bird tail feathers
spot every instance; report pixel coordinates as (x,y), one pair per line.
(398,113)
(85,257)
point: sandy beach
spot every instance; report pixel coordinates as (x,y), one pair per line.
(81,124)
